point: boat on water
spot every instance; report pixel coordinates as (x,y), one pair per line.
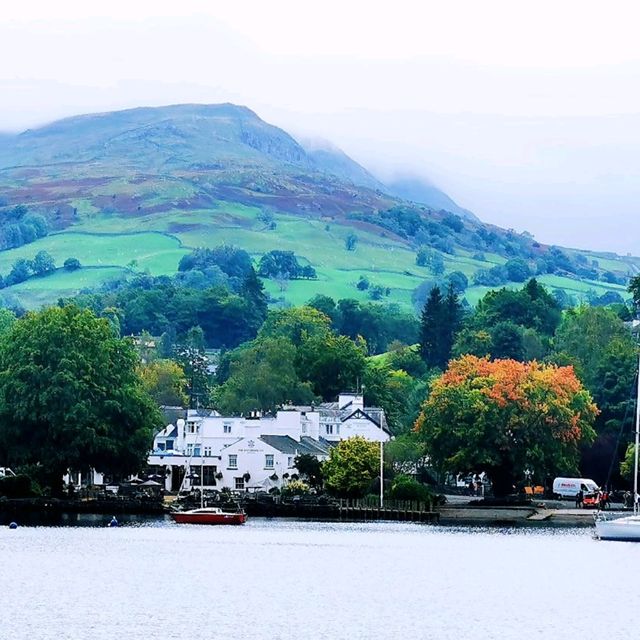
(209,515)
(624,528)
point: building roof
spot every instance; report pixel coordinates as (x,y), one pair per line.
(286,444)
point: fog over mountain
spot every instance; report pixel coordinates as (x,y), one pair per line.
(488,103)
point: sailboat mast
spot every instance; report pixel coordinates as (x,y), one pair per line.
(637,443)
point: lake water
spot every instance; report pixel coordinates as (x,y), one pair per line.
(276,579)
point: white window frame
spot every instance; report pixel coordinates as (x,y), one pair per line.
(233,465)
(239,483)
(267,457)
(226,428)
(329,429)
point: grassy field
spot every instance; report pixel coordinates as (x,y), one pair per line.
(159,253)
(109,243)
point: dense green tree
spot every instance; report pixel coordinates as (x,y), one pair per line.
(433,260)
(235,262)
(404,358)
(284,264)
(458,281)
(165,382)
(517,270)
(331,363)
(405,453)
(326,305)
(20,271)
(43,263)
(352,467)
(70,396)
(310,468)
(263,378)
(583,336)
(507,340)
(253,292)
(296,324)
(532,307)
(439,325)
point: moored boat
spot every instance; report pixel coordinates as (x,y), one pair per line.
(625,529)
(209,515)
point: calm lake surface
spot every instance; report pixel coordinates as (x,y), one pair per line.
(276,579)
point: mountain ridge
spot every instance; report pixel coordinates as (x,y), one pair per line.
(213,174)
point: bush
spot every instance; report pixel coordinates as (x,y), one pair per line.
(20,486)
(517,270)
(458,281)
(405,487)
(72,264)
(295,488)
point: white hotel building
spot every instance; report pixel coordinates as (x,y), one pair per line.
(258,453)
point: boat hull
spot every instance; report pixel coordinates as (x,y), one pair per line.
(209,518)
(623,529)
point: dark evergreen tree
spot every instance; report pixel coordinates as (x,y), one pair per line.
(431,323)
(439,326)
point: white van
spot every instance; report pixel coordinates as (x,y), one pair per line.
(570,487)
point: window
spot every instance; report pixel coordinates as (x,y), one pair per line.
(290,462)
(329,428)
(268,461)
(189,449)
(226,428)
(338,429)
(233,462)
(192,427)
(240,483)
(169,446)
(161,446)
(209,475)
(196,450)
(304,427)
(207,452)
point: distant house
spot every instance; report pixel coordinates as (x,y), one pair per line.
(258,452)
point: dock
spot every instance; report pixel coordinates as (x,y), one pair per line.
(398,510)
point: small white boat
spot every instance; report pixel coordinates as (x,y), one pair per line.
(625,528)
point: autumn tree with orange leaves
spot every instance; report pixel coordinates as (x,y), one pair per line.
(506,417)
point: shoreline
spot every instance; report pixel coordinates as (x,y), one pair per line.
(529,516)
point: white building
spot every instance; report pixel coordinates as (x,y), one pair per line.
(258,452)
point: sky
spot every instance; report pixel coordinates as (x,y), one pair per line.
(527,114)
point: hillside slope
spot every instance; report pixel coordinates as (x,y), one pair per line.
(134,190)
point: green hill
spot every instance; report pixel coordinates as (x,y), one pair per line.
(135,190)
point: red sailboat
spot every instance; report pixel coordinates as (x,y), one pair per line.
(209,515)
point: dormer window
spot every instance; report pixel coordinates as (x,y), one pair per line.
(193,427)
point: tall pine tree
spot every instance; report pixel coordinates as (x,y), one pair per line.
(439,325)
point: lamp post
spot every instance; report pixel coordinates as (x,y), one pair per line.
(381,470)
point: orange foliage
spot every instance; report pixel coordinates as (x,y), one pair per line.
(545,389)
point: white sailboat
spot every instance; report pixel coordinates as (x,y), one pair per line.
(625,528)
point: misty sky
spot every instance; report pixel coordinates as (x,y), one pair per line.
(529,115)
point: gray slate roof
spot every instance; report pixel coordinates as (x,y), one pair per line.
(286,444)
